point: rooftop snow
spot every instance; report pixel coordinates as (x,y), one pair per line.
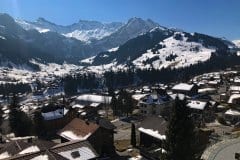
(84,152)
(41,157)
(138,96)
(30,149)
(183,86)
(232,112)
(72,136)
(59,113)
(152,133)
(94,98)
(197,105)
(232,97)
(234,88)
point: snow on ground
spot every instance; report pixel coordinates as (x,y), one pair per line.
(47,73)
(88,60)
(187,53)
(113,49)
(87,35)
(1,37)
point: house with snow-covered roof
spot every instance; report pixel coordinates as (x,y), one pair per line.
(152,136)
(200,111)
(184,88)
(92,131)
(155,104)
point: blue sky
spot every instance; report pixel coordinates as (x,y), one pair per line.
(215,17)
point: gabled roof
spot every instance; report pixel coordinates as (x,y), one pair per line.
(148,126)
(41,155)
(78,129)
(22,147)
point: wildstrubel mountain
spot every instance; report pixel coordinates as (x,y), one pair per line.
(139,43)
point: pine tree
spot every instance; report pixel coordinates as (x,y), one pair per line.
(19,121)
(125,102)
(38,124)
(114,105)
(13,115)
(180,136)
(133,135)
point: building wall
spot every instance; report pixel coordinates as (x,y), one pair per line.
(152,109)
(102,141)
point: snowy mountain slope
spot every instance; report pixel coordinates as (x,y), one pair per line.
(140,43)
(160,48)
(176,53)
(237,43)
(83,30)
(133,28)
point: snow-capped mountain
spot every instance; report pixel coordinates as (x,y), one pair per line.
(82,30)
(44,38)
(160,48)
(237,43)
(139,43)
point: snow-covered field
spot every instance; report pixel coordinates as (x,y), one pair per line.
(47,73)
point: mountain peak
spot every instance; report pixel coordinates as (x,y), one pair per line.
(42,20)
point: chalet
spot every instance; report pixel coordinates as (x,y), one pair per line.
(93,132)
(152,136)
(184,88)
(155,104)
(200,110)
(232,116)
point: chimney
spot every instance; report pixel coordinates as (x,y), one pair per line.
(30,140)
(87,122)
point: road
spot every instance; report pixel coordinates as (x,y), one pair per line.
(123,130)
(224,150)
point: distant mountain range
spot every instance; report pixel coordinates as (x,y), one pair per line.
(140,43)
(83,30)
